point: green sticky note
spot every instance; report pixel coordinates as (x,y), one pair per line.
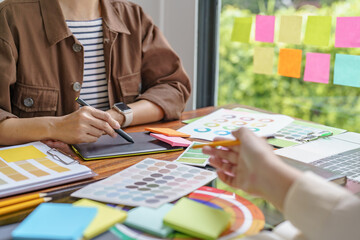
(263,60)
(318,30)
(290,29)
(196,219)
(241,30)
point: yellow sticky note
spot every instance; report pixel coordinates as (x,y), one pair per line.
(263,60)
(241,30)
(21,153)
(290,29)
(167,132)
(105,218)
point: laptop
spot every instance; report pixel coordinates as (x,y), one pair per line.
(339,154)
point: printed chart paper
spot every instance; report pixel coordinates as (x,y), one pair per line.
(264,28)
(317,68)
(149,183)
(290,62)
(223,121)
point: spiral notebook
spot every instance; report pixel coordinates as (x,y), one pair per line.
(108,147)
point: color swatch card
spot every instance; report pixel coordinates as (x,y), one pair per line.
(150,220)
(193,157)
(221,122)
(34,165)
(196,219)
(149,183)
(105,218)
(55,221)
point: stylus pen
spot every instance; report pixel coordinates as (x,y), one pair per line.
(118,131)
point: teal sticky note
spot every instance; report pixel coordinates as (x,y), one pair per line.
(150,220)
(55,221)
(346,70)
(318,30)
(241,29)
(197,219)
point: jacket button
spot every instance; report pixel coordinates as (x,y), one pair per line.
(28,102)
(76,47)
(76,86)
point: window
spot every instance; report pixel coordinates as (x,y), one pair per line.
(329,104)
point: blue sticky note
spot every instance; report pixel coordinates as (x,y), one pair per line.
(150,220)
(55,221)
(346,70)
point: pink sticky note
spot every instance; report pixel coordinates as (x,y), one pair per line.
(317,68)
(264,28)
(347,34)
(173,141)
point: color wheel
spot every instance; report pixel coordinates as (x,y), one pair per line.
(246,218)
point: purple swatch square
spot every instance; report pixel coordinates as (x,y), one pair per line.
(347,34)
(264,28)
(317,68)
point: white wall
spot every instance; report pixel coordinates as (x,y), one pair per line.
(178,21)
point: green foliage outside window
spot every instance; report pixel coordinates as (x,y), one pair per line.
(332,105)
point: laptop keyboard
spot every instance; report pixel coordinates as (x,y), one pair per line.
(346,163)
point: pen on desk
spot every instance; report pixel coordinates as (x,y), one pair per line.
(25,198)
(23,205)
(119,131)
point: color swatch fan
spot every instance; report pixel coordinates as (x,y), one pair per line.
(223,121)
(149,183)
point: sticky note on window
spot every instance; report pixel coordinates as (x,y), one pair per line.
(241,30)
(264,28)
(21,153)
(290,29)
(263,60)
(317,68)
(347,70)
(290,62)
(347,33)
(318,30)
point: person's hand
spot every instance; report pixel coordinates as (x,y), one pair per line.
(85,125)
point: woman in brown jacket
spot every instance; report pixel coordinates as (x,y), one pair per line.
(47,59)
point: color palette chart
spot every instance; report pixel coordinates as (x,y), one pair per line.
(149,183)
(317,33)
(28,166)
(223,121)
(246,218)
(193,157)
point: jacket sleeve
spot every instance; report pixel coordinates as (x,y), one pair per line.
(7,79)
(322,210)
(164,81)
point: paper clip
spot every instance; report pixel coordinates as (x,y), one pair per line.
(53,152)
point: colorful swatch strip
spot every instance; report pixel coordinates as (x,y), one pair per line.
(317,33)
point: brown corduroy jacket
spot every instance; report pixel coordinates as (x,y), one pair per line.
(41,62)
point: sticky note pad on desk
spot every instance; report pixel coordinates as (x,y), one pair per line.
(55,221)
(197,219)
(167,132)
(173,141)
(105,218)
(150,220)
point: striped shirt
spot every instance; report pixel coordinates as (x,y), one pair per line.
(94,89)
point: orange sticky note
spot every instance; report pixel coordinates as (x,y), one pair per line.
(290,62)
(167,132)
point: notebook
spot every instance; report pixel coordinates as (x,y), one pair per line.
(338,154)
(108,147)
(55,221)
(33,166)
(105,218)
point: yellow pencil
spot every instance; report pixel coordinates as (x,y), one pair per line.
(23,205)
(225,143)
(21,199)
